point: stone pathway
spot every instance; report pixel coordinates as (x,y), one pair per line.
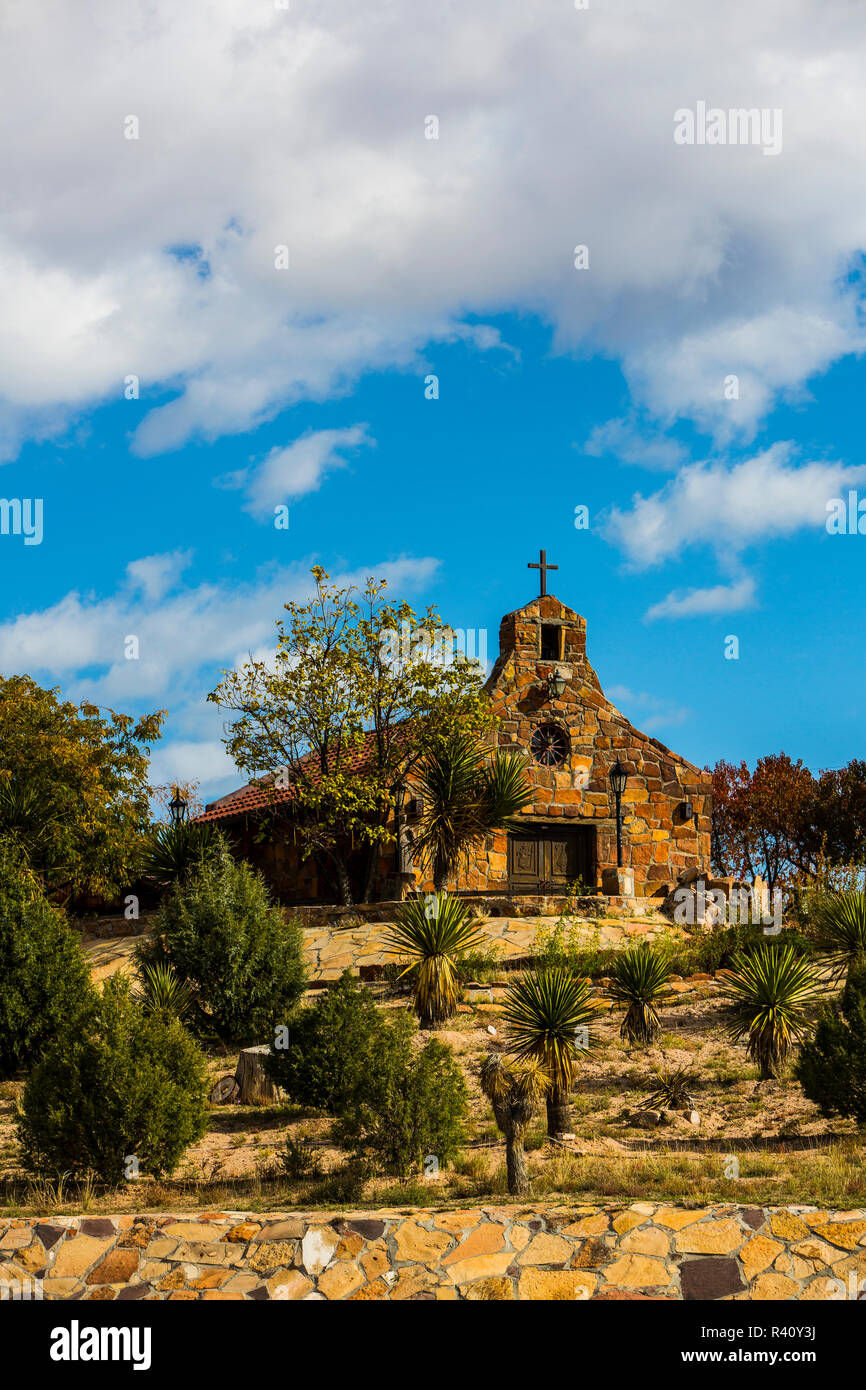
(363,950)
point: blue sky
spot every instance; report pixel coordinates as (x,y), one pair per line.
(557,386)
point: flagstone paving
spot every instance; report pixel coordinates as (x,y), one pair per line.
(363,949)
(331,950)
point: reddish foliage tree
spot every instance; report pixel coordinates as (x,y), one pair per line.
(781,822)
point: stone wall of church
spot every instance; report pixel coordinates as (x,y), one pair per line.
(659,841)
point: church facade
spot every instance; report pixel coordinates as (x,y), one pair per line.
(550,707)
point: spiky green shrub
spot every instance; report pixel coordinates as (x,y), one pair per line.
(838,926)
(409,1104)
(161,990)
(831,1066)
(433,933)
(128,1084)
(546,1014)
(327,1051)
(638,977)
(672,1089)
(219,931)
(44,981)
(171,851)
(770,990)
(466,796)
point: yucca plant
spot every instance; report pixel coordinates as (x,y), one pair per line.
(770,990)
(672,1089)
(638,977)
(161,990)
(172,851)
(465,798)
(514,1089)
(839,926)
(433,933)
(544,1013)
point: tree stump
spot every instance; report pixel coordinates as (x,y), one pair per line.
(255,1087)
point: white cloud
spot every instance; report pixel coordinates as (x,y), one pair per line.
(630,442)
(295,470)
(647,712)
(204,761)
(693,603)
(728,509)
(155,575)
(262,127)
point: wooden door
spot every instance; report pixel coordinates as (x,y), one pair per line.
(546,859)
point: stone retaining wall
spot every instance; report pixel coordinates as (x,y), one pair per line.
(646,1250)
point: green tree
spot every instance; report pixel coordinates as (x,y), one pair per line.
(466,797)
(831,1066)
(343,713)
(73,786)
(514,1090)
(329,1046)
(128,1083)
(546,1013)
(409,1104)
(639,976)
(770,990)
(44,981)
(434,932)
(219,930)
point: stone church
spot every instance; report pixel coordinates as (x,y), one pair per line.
(550,706)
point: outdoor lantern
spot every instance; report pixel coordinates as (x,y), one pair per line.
(177,807)
(688,810)
(618,778)
(556,683)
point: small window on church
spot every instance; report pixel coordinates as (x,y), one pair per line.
(550,642)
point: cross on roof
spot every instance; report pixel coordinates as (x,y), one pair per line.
(544,567)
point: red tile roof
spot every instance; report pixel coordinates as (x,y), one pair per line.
(262,795)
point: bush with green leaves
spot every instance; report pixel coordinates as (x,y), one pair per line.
(329,1047)
(547,1014)
(639,977)
(831,1067)
(408,1104)
(127,1084)
(44,980)
(161,990)
(171,851)
(432,933)
(770,990)
(220,931)
(837,924)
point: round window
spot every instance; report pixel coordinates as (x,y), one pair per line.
(549,745)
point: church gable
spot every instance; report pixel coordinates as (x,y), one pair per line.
(551,706)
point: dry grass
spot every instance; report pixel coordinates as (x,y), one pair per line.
(768,1127)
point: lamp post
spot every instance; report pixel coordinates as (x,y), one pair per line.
(178,809)
(618,778)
